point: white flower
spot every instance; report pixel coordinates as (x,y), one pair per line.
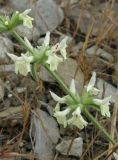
(27,20)
(22,63)
(72,87)
(104,105)
(90,87)
(63,46)
(74,117)
(53,61)
(115,155)
(61,116)
(77,119)
(60,47)
(47,39)
(57,98)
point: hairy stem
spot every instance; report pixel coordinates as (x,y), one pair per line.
(19,39)
(97,125)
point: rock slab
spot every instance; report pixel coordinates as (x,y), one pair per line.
(46,134)
(75,149)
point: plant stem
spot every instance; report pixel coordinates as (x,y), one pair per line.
(97,124)
(61,83)
(19,39)
(67,91)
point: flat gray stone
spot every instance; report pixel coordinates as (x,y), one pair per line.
(74,12)
(75,150)
(46,134)
(6,45)
(107,89)
(99,52)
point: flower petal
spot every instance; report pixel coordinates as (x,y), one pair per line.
(27,20)
(77,111)
(115,155)
(22,63)
(47,39)
(72,87)
(26,11)
(22,67)
(91,82)
(94,91)
(57,108)
(63,46)
(61,116)
(104,105)
(26,58)
(102,101)
(14,57)
(53,61)
(57,98)
(105,110)
(77,119)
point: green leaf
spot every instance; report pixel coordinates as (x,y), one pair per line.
(15,20)
(3,28)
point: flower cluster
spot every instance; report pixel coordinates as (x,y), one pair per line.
(17,18)
(27,20)
(52,58)
(71,115)
(22,63)
(45,52)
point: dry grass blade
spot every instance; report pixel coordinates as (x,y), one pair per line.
(79,20)
(15,154)
(89,146)
(114,120)
(82,64)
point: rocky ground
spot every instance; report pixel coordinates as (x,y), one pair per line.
(28,129)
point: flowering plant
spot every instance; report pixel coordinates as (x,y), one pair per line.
(72,114)
(49,56)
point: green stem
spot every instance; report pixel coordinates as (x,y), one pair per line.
(67,91)
(19,39)
(97,124)
(61,83)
